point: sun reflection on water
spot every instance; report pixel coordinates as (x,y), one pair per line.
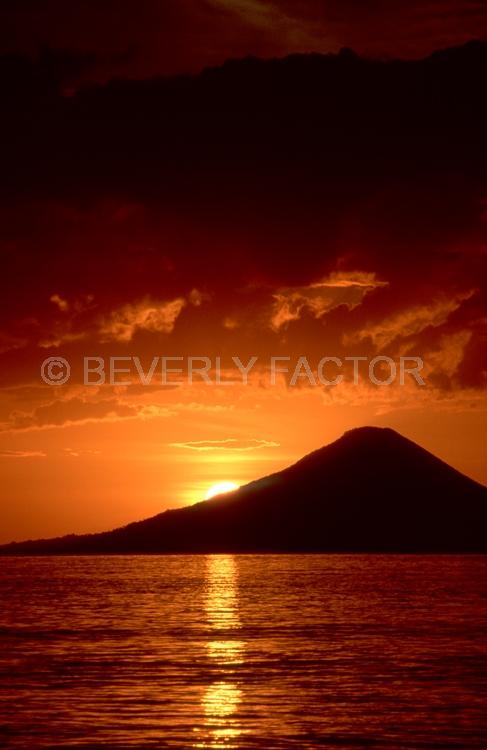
(222,697)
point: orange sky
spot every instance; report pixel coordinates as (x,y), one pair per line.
(87,459)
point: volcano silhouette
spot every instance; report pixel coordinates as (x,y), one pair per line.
(370,491)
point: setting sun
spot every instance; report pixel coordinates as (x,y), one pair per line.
(220,488)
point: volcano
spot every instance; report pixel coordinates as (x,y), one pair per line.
(372,490)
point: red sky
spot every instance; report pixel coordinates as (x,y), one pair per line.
(310,206)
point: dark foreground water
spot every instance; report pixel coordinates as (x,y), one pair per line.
(243,652)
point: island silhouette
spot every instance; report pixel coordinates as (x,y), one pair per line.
(371,491)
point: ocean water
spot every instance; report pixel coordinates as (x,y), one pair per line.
(245,651)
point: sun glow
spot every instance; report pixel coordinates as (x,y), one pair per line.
(220,489)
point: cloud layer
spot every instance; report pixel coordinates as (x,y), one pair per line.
(311,206)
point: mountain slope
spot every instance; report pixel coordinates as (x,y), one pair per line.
(370,491)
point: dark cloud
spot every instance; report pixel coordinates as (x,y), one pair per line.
(242,182)
(149,37)
(61,412)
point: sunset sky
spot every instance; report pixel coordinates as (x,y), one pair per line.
(309,205)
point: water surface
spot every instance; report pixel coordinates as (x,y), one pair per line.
(305,651)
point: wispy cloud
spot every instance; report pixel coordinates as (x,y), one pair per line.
(448,357)
(147,315)
(348,289)
(410,322)
(253,12)
(76,453)
(122,324)
(22,454)
(61,304)
(293,28)
(70,412)
(229,444)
